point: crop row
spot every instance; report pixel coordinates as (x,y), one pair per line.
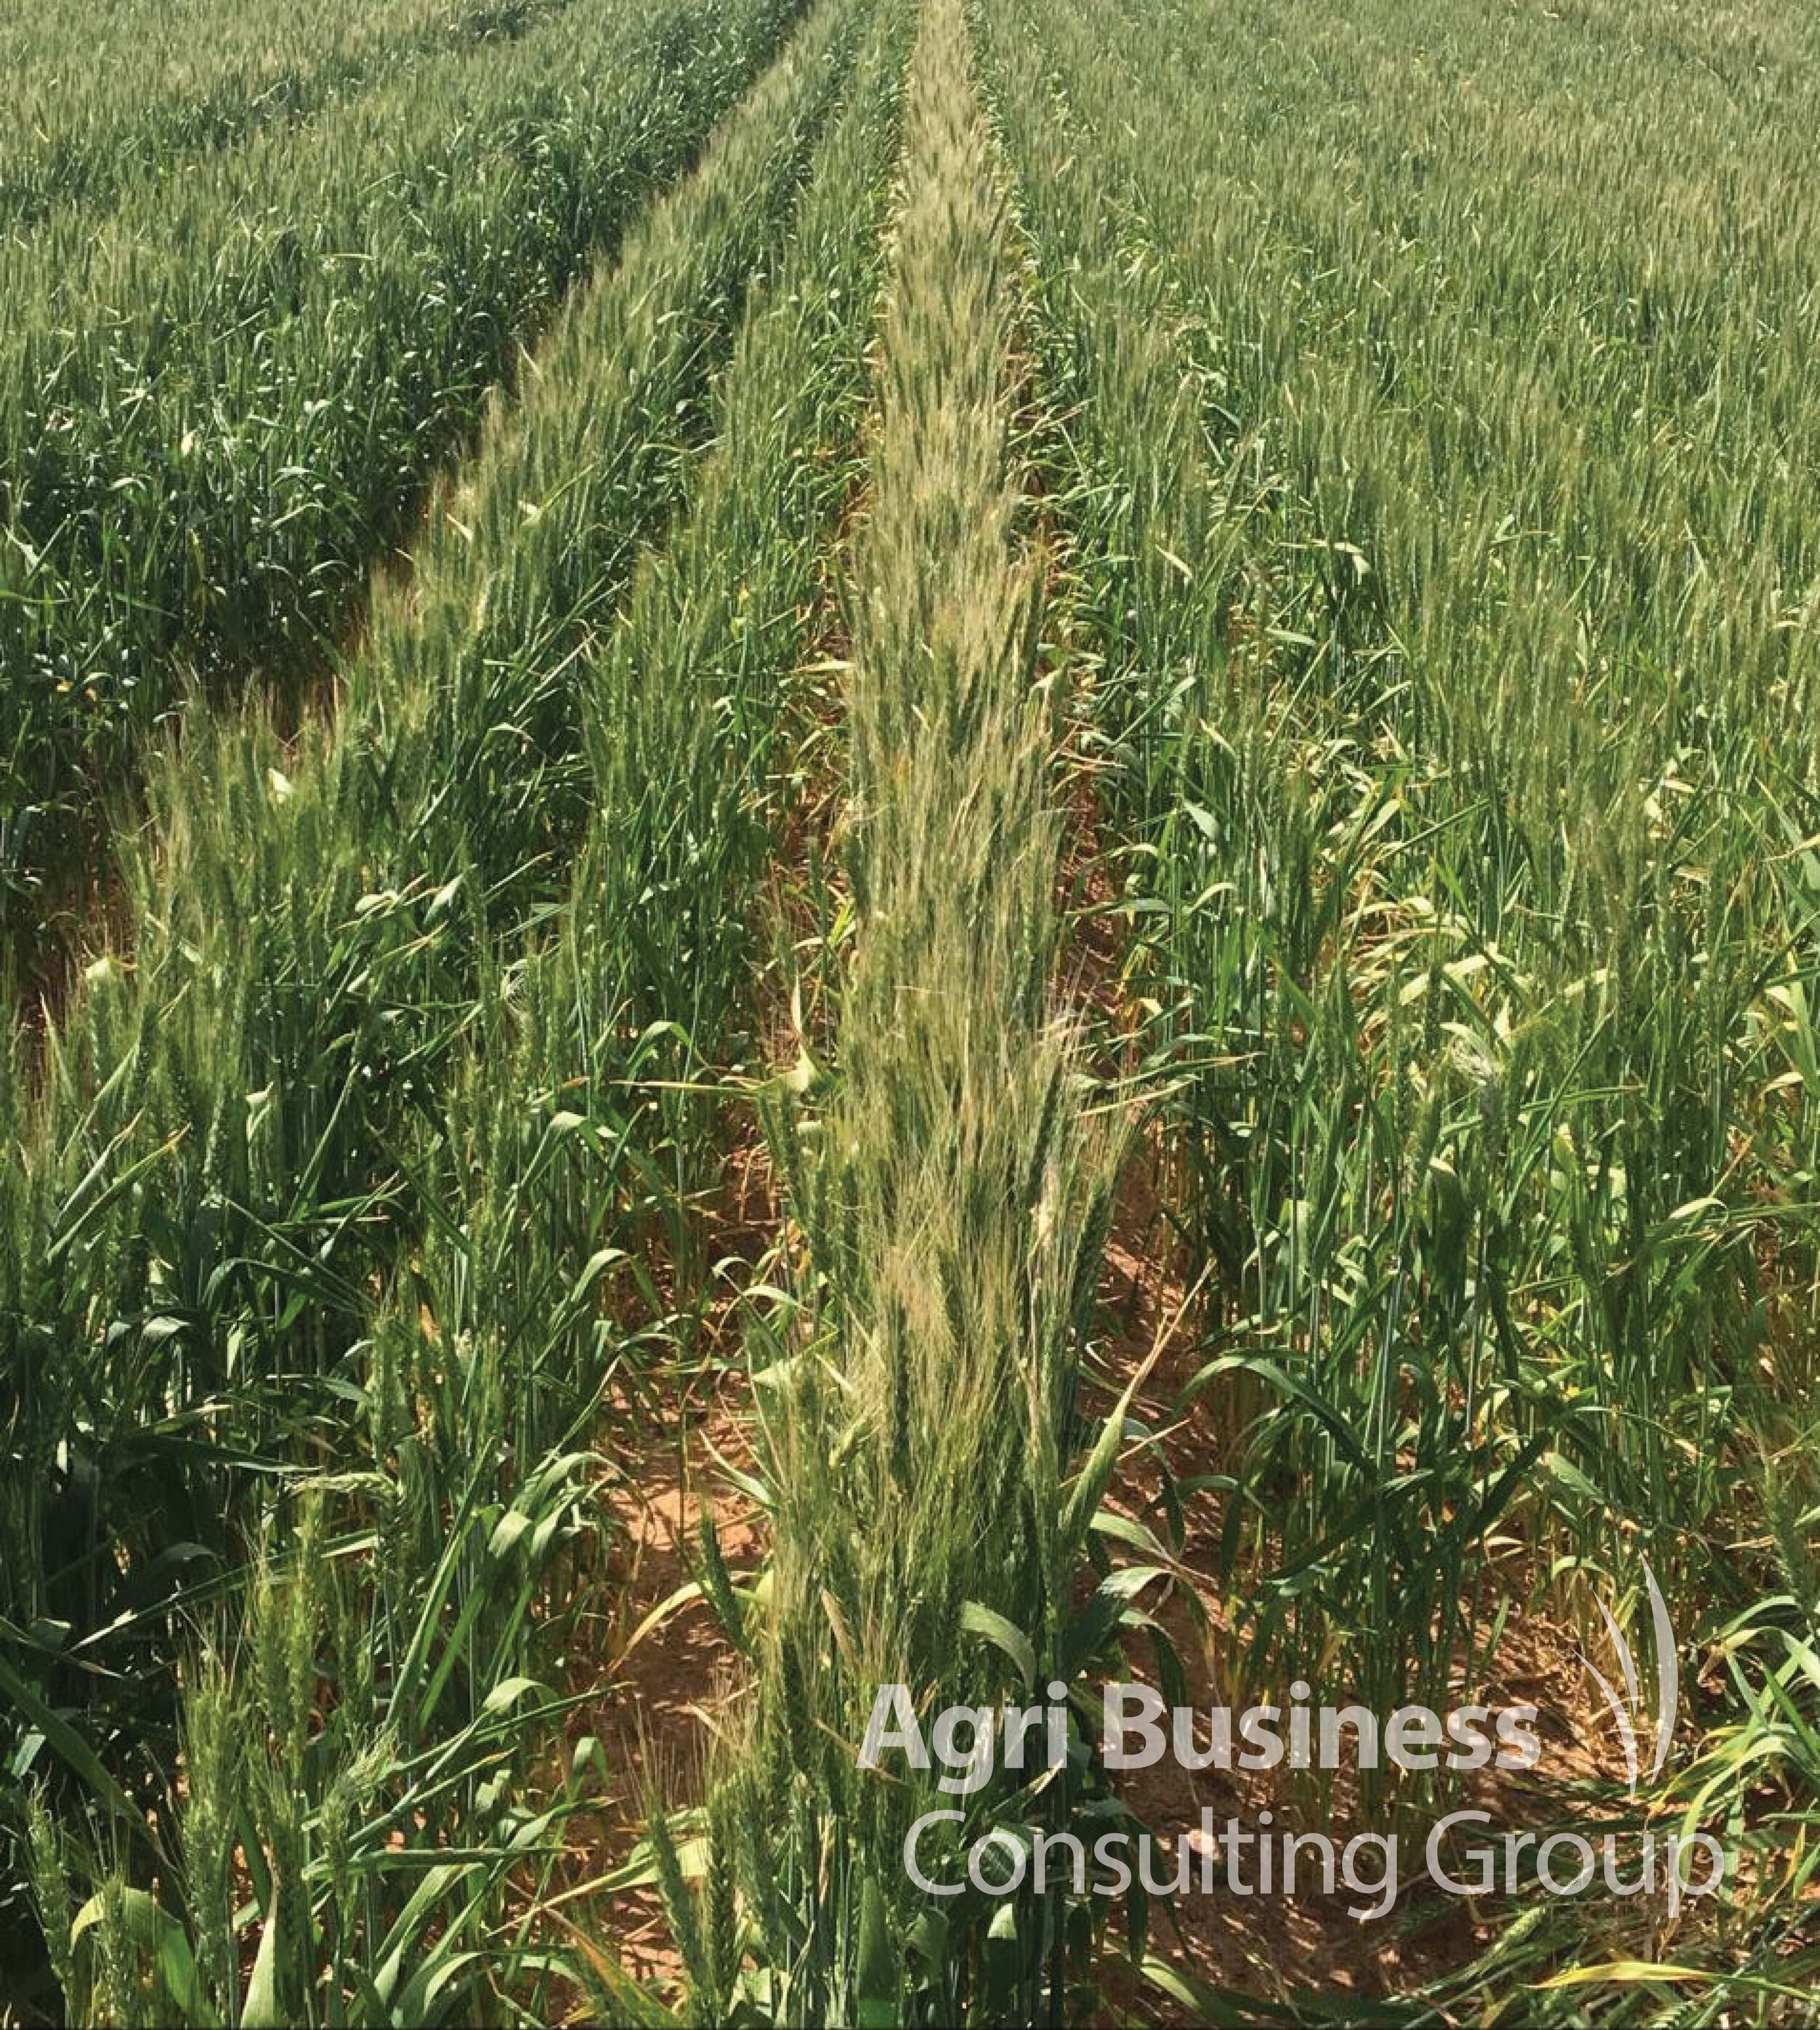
(345,1158)
(928,1511)
(214,415)
(1448,608)
(106,96)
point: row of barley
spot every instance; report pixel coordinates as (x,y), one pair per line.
(328,1236)
(1417,553)
(203,455)
(1439,531)
(109,95)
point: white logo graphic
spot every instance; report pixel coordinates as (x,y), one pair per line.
(1627,1712)
(975,1747)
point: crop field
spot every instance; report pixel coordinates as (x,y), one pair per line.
(880,879)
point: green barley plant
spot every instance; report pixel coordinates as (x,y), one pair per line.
(916,1390)
(265,370)
(160,86)
(480,481)
(1435,638)
(315,1205)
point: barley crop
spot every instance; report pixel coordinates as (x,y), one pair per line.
(1036,781)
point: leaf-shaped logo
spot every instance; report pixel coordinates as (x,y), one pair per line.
(1628,1711)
